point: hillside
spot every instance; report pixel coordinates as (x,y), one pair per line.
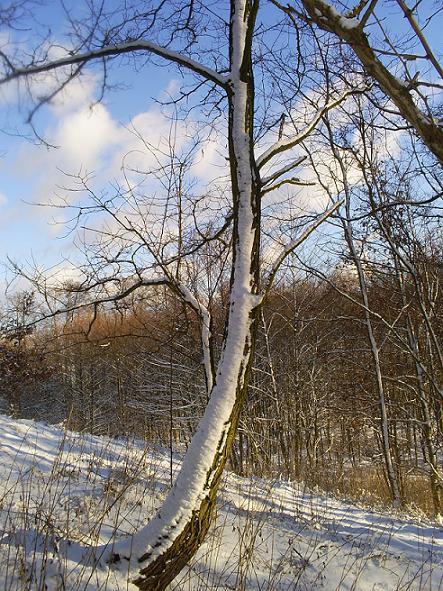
(62,492)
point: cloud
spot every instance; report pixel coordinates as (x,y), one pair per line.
(3,199)
(24,94)
(210,161)
(85,136)
(79,93)
(63,274)
(90,140)
(145,143)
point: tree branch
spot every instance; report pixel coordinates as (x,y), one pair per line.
(114,50)
(286,144)
(281,171)
(351,31)
(417,30)
(296,243)
(291,181)
(203,311)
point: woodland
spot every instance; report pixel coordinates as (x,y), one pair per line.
(284,317)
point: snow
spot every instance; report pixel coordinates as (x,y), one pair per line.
(204,456)
(344,22)
(63,492)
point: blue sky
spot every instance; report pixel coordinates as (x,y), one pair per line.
(94,140)
(27,170)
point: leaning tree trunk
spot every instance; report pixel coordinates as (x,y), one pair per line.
(173,536)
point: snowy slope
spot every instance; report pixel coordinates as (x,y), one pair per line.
(62,492)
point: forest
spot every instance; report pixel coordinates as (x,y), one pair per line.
(318,398)
(255,262)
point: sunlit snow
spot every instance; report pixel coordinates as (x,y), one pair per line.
(62,493)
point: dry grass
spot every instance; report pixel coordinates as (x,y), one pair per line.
(367,484)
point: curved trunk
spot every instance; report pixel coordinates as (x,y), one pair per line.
(173,536)
(162,568)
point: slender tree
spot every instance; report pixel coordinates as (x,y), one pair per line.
(181,34)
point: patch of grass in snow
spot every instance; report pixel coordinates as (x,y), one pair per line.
(367,484)
(277,536)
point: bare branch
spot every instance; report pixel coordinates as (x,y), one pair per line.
(297,242)
(205,316)
(114,50)
(272,177)
(351,31)
(286,144)
(417,30)
(291,181)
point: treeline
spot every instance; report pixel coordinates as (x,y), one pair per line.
(346,391)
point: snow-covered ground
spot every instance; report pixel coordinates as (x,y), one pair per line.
(61,492)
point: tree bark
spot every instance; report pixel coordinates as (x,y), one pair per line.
(169,540)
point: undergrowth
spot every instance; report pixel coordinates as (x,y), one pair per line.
(268,535)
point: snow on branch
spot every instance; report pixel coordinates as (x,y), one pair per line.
(281,171)
(114,50)
(95,302)
(290,181)
(205,316)
(110,285)
(286,144)
(286,251)
(399,91)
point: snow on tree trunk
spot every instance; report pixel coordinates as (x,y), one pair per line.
(172,537)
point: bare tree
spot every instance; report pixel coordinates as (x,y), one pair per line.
(408,72)
(223,51)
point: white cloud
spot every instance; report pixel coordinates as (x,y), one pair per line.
(90,140)
(144,142)
(63,274)
(3,199)
(25,92)
(85,135)
(77,94)
(210,161)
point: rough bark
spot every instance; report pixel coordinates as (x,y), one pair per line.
(171,549)
(351,31)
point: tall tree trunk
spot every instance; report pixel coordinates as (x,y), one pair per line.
(173,536)
(391,474)
(435,475)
